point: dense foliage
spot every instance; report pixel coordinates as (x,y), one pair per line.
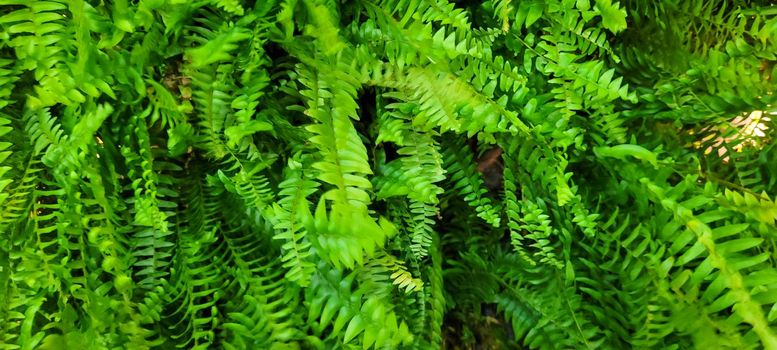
(410,174)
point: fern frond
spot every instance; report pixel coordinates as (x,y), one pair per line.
(343,236)
(151,240)
(759,207)
(344,157)
(538,230)
(352,314)
(435,292)
(429,11)
(459,163)
(5,152)
(398,273)
(254,80)
(231,6)
(37,28)
(267,310)
(417,171)
(160,162)
(292,213)
(323,28)
(723,256)
(8,76)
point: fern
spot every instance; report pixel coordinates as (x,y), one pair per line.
(387,174)
(293,212)
(465,179)
(4,154)
(355,312)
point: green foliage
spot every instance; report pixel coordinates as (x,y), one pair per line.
(388,174)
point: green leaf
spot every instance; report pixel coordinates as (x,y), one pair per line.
(613,17)
(627,150)
(237,132)
(179,139)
